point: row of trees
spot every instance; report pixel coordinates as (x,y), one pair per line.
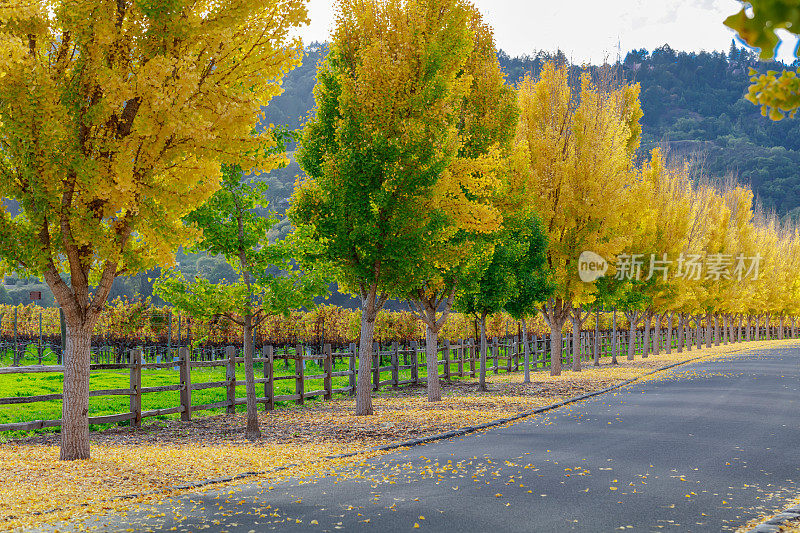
(429,178)
(493,208)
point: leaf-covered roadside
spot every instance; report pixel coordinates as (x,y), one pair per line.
(767,511)
(126,461)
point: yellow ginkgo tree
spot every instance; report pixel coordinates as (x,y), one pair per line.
(660,236)
(468,194)
(394,119)
(115,118)
(758,23)
(580,143)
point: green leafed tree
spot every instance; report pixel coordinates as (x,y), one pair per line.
(269,284)
(385,129)
(529,268)
(515,279)
(115,118)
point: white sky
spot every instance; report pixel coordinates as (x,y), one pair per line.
(589,30)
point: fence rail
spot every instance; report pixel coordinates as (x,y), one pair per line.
(454,360)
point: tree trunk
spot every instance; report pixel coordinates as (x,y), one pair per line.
(614,341)
(576,340)
(780,332)
(725,330)
(681,332)
(748,333)
(252,432)
(739,337)
(555,347)
(364,382)
(555,312)
(633,320)
(577,318)
(699,332)
(482,377)
(431,352)
(727,327)
(646,338)
(767,335)
(526,350)
(709,331)
(656,346)
(75,406)
(794,331)
(596,343)
(670,317)
(425,307)
(631,340)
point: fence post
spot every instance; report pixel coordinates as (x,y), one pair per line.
(169,336)
(517,351)
(135,359)
(472,348)
(186,384)
(39,351)
(376,366)
(299,375)
(446,359)
(414,363)
(328,371)
(230,377)
(269,374)
(352,375)
(395,365)
(461,358)
(495,353)
(16,339)
(509,354)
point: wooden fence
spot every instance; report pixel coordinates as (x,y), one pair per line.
(454,360)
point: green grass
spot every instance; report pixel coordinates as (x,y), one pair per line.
(51,383)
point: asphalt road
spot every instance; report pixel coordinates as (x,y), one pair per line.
(706,448)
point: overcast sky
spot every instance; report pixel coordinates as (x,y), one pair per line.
(589,30)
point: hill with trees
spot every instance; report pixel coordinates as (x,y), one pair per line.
(693,103)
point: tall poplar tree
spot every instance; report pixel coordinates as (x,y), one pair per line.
(115,117)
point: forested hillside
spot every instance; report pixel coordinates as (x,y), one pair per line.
(695,101)
(691,101)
